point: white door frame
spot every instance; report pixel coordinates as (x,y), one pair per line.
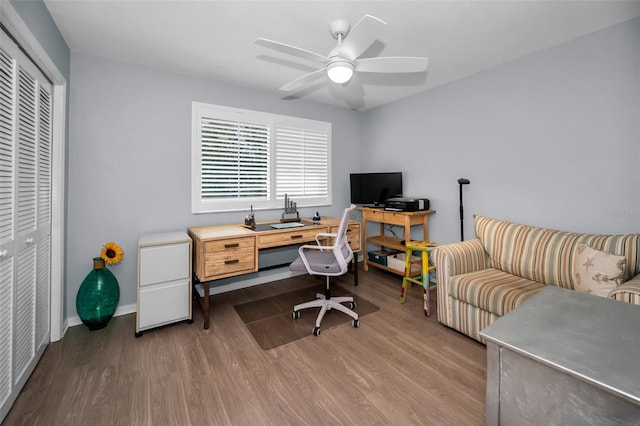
(25,38)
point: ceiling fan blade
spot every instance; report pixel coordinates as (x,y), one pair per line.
(292,50)
(392,64)
(361,37)
(303,81)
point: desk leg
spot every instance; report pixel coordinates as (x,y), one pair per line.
(407,230)
(425,228)
(205,305)
(355,269)
(202,301)
(365,265)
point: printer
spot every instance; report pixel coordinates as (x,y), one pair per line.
(406,204)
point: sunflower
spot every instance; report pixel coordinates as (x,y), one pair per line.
(111,253)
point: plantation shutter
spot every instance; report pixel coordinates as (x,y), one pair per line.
(25,213)
(245,159)
(302,162)
(234,160)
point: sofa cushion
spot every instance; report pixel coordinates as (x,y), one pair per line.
(597,272)
(492,290)
(622,245)
(546,255)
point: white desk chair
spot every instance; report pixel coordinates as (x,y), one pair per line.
(329,261)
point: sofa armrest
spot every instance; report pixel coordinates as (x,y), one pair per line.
(628,292)
(460,258)
(454,259)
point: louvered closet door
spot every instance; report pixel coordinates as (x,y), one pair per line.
(25,219)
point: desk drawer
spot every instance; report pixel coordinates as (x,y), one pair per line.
(385,216)
(353,235)
(373,215)
(164,263)
(224,257)
(297,236)
(163,303)
(394,218)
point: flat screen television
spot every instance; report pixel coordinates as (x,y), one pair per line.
(373,189)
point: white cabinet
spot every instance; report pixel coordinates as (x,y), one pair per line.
(164,280)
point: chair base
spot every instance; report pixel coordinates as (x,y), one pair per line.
(326,304)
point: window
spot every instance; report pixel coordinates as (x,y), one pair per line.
(246,158)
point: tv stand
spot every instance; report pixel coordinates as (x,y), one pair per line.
(383,217)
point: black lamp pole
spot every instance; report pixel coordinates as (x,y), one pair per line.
(462,181)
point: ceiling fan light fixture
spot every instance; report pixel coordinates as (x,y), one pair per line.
(340,71)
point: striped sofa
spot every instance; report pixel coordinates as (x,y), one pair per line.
(480,280)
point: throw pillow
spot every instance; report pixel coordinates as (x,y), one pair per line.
(597,272)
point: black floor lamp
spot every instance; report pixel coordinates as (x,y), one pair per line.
(462,181)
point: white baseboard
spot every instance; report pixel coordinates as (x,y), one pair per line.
(261,277)
(120,310)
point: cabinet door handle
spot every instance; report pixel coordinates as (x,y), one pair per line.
(29,240)
(296,237)
(4,253)
(232,245)
(231,262)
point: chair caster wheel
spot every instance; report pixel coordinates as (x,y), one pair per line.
(316,331)
(356,323)
(352,305)
(296,314)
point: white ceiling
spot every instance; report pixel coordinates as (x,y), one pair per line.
(215,39)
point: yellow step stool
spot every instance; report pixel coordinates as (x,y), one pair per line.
(424,248)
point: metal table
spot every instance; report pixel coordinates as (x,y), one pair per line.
(564,357)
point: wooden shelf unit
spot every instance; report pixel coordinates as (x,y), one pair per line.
(384,217)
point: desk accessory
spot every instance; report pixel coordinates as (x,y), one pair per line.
(250,220)
(290,213)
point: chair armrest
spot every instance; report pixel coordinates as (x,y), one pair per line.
(313,247)
(320,235)
(628,292)
(326,234)
(454,259)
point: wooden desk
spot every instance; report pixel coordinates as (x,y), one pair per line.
(405,219)
(224,251)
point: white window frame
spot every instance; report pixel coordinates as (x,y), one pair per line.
(313,134)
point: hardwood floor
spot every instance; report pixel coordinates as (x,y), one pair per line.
(398,368)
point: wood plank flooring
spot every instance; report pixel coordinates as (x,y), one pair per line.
(398,368)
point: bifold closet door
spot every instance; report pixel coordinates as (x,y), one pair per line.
(25,218)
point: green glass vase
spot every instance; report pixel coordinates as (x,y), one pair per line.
(98,296)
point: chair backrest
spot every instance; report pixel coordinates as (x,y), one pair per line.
(342,250)
(327,260)
(341,235)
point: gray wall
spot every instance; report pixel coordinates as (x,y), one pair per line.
(551,139)
(130,158)
(36,15)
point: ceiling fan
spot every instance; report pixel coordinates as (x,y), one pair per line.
(344,59)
